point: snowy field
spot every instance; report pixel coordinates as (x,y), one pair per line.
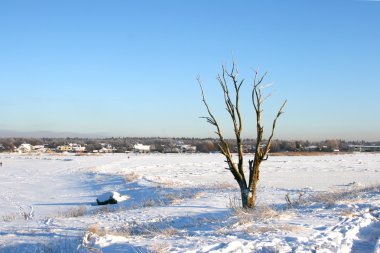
(188,203)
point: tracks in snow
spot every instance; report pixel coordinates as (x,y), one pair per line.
(350,234)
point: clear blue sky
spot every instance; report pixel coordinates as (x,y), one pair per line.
(129,68)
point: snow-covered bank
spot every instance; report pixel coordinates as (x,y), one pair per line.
(187,203)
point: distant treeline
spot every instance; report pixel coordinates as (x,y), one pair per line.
(207,145)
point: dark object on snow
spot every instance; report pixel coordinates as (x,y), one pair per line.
(110,201)
(108,198)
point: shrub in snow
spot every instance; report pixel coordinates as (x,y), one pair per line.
(110,198)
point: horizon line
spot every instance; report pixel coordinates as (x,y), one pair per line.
(65,135)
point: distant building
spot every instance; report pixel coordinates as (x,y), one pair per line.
(188,149)
(78,148)
(64,148)
(364,148)
(71,147)
(312,148)
(172,149)
(25,148)
(140,148)
(39,148)
(106,148)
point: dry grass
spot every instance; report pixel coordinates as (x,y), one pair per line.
(350,195)
(27,216)
(102,210)
(198,195)
(296,200)
(265,212)
(97,230)
(86,154)
(349,213)
(8,218)
(124,231)
(261,229)
(159,248)
(222,185)
(158,231)
(225,185)
(152,230)
(259,213)
(168,232)
(172,198)
(86,243)
(290,228)
(306,153)
(259,220)
(328,199)
(179,197)
(167,183)
(152,202)
(74,212)
(131,177)
(56,245)
(167,199)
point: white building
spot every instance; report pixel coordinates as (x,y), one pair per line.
(25,148)
(188,149)
(77,147)
(106,148)
(39,148)
(140,148)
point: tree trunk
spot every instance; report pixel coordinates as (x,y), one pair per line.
(248,197)
(250,191)
(244,197)
(252,196)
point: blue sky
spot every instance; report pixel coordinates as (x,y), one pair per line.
(129,68)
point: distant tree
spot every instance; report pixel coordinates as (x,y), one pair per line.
(343,145)
(332,145)
(93,146)
(247,188)
(207,146)
(288,146)
(299,146)
(275,146)
(35,141)
(18,141)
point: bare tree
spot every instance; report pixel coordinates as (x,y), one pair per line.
(247,189)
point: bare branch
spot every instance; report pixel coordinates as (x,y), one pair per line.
(223,145)
(211,119)
(266,97)
(241,82)
(280,111)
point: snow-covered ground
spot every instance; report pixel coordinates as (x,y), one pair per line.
(188,203)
